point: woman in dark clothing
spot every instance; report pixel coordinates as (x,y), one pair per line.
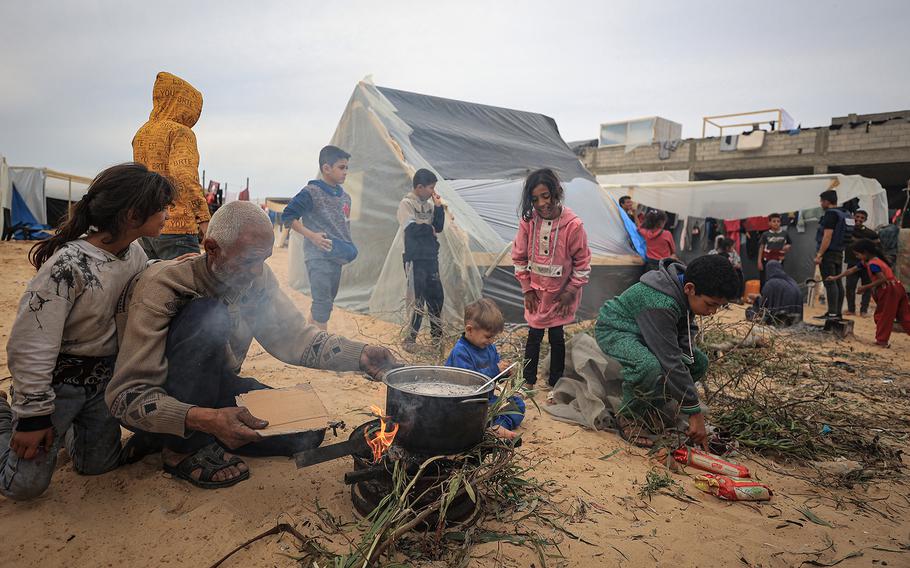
(780,301)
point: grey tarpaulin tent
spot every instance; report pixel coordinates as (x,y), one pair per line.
(481,155)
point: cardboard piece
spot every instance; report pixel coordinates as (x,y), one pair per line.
(288,410)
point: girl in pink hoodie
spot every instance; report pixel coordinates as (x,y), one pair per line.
(552,263)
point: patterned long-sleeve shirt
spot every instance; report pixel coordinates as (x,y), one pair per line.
(136,394)
(551,256)
(68,308)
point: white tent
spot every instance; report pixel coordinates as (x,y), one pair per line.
(40,196)
(742,198)
(481,155)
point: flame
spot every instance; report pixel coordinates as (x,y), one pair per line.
(381,439)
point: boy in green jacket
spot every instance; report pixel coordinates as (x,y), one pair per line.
(650,329)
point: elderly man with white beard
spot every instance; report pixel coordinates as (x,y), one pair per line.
(188,326)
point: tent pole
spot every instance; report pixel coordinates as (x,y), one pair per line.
(69,197)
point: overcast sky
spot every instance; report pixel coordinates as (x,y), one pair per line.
(276,76)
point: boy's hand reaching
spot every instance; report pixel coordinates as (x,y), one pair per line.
(564,302)
(503,365)
(697,432)
(437,200)
(532,302)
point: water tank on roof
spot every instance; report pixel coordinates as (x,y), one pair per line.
(639,132)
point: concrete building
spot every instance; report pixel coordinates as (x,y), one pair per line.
(871,145)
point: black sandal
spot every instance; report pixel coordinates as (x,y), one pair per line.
(631,431)
(210,460)
(138,446)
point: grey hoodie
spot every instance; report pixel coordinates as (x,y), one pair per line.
(668,330)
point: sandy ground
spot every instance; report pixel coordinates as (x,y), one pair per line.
(137,516)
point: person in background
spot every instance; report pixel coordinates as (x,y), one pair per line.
(552,264)
(166,145)
(476,351)
(723,246)
(321,212)
(659,241)
(780,301)
(64,340)
(829,241)
(890,297)
(774,244)
(860,231)
(421,216)
(628,206)
(650,331)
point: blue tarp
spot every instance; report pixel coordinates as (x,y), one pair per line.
(638,241)
(21,215)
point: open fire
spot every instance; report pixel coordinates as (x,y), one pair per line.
(380,440)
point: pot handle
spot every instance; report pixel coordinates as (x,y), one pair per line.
(475,400)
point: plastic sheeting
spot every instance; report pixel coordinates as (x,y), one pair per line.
(742,198)
(497,203)
(633,178)
(468,140)
(29,184)
(390,135)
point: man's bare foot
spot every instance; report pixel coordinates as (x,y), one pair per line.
(631,431)
(503,433)
(172,459)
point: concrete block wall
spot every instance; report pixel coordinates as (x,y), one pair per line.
(616,157)
(815,149)
(775,144)
(879,137)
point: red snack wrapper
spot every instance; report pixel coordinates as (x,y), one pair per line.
(709,462)
(733,489)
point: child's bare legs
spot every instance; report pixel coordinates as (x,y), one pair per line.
(503,433)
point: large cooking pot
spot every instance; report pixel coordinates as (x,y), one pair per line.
(432,420)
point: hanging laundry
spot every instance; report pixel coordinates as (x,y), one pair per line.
(753,240)
(756,223)
(712,229)
(667,147)
(695,234)
(728,143)
(751,140)
(731,230)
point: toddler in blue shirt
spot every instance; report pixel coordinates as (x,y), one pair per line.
(475,351)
